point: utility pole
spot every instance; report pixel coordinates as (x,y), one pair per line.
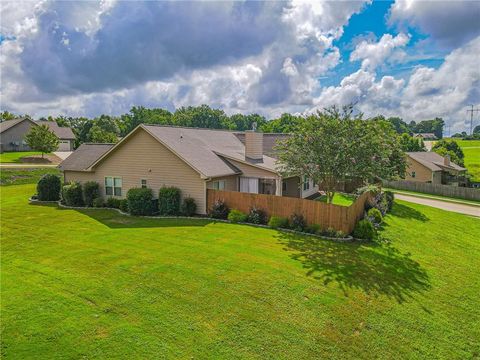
(471,111)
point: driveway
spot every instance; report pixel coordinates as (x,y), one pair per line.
(444,205)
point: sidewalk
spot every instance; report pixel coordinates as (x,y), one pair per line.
(461,208)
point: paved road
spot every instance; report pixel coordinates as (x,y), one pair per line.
(444,205)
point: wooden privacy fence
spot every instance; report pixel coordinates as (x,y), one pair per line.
(435,189)
(315,212)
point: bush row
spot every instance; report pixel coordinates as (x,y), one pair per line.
(139,201)
(257,216)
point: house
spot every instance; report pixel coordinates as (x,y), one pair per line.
(425,136)
(191,159)
(12,134)
(430,167)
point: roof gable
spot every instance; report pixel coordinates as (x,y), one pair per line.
(5,125)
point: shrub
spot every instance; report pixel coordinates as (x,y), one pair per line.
(298,222)
(123,205)
(189,207)
(257,216)
(329,232)
(237,216)
(72,194)
(390,197)
(139,201)
(375,215)
(91,191)
(278,222)
(219,210)
(98,202)
(313,229)
(49,187)
(113,203)
(169,200)
(340,234)
(364,230)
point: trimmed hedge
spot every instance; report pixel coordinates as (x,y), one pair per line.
(98,202)
(189,207)
(169,200)
(364,230)
(140,201)
(277,222)
(236,216)
(257,216)
(72,194)
(91,191)
(219,210)
(375,215)
(49,187)
(113,203)
(298,222)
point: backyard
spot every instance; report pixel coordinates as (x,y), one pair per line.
(96,284)
(15,156)
(471,150)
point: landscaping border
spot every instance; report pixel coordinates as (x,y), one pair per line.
(349,238)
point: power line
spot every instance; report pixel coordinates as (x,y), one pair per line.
(471,111)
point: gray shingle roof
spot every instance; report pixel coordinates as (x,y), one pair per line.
(433,161)
(62,132)
(203,149)
(84,156)
(5,125)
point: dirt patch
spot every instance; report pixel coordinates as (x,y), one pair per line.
(37,159)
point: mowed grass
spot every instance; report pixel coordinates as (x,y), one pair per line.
(14,157)
(339,199)
(95,284)
(471,150)
(24,176)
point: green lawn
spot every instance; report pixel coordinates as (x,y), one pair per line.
(339,199)
(14,157)
(24,176)
(471,150)
(95,284)
(435,197)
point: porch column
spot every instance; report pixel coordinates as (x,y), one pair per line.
(278,186)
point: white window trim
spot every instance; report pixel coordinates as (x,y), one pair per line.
(113,187)
(216,185)
(141,183)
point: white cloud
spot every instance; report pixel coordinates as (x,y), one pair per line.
(374,54)
(451,23)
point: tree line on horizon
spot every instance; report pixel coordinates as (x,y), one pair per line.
(108,129)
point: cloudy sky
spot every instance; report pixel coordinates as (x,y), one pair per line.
(413,59)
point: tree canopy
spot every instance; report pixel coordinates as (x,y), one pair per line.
(333,146)
(449,147)
(409,143)
(40,138)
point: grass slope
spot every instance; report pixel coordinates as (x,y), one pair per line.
(24,176)
(14,157)
(94,284)
(471,150)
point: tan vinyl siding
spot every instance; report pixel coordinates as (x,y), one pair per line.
(143,157)
(252,171)
(422,173)
(16,134)
(231,183)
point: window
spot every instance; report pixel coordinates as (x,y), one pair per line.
(249,185)
(267,186)
(219,185)
(284,186)
(413,174)
(306,183)
(144,183)
(113,186)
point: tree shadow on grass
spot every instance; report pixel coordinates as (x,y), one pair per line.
(376,269)
(115,220)
(406,212)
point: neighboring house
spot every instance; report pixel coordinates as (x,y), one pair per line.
(426,136)
(12,134)
(191,159)
(425,166)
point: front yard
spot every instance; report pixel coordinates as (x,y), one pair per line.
(15,156)
(95,284)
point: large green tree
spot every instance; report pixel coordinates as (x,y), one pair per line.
(409,143)
(332,146)
(40,138)
(449,147)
